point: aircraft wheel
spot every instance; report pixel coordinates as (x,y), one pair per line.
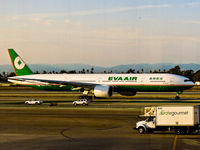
(177,97)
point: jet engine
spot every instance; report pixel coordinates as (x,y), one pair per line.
(103,91)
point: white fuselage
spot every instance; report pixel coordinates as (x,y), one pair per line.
(110,79)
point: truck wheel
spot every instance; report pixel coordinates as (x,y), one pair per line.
(141,130)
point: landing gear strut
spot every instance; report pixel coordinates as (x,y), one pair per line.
(86,96)
(177,95)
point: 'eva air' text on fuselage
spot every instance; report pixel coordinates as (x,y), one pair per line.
(122,78)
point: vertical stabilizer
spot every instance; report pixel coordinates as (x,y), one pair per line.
(18,64)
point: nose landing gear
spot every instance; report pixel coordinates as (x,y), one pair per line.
(177,95)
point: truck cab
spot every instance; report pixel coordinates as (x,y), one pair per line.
(144,126)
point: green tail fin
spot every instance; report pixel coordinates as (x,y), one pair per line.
(18,64)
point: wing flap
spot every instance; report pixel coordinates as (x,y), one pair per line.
(74,84)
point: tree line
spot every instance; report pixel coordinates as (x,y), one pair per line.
(194,76)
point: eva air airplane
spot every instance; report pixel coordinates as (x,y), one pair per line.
(101,85)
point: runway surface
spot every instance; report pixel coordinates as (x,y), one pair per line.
(13,97)
(104,124)
(81,128)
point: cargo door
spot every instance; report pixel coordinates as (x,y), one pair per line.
(199,113)
(142,80)
(196,115)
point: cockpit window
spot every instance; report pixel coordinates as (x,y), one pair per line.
(187,80)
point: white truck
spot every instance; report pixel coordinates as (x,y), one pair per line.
(181,119)
(33,102)
(81,102)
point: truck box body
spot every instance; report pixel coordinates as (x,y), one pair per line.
(174,115)
(177,116)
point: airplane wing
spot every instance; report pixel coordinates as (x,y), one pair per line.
(74,84)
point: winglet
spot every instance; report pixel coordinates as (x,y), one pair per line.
(18,64)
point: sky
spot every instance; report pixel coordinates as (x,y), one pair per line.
(101,32)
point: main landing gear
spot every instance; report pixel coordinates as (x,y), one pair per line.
(177,95)
(87,97)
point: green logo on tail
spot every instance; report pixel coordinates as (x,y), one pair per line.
(19,64)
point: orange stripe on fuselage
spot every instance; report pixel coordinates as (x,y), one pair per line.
(12,62)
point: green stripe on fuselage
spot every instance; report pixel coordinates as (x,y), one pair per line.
(150,88)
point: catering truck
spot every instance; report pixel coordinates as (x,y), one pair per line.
(181,119)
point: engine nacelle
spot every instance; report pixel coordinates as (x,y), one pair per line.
(128,93)
(103,91)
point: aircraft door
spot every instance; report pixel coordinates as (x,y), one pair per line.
(99,80)
(142,80)
(172,80)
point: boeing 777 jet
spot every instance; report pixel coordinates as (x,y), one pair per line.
(101,85)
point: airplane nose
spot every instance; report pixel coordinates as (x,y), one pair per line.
(189,82)
(192,83)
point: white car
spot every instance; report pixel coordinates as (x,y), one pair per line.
(33,102)
(81,102)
